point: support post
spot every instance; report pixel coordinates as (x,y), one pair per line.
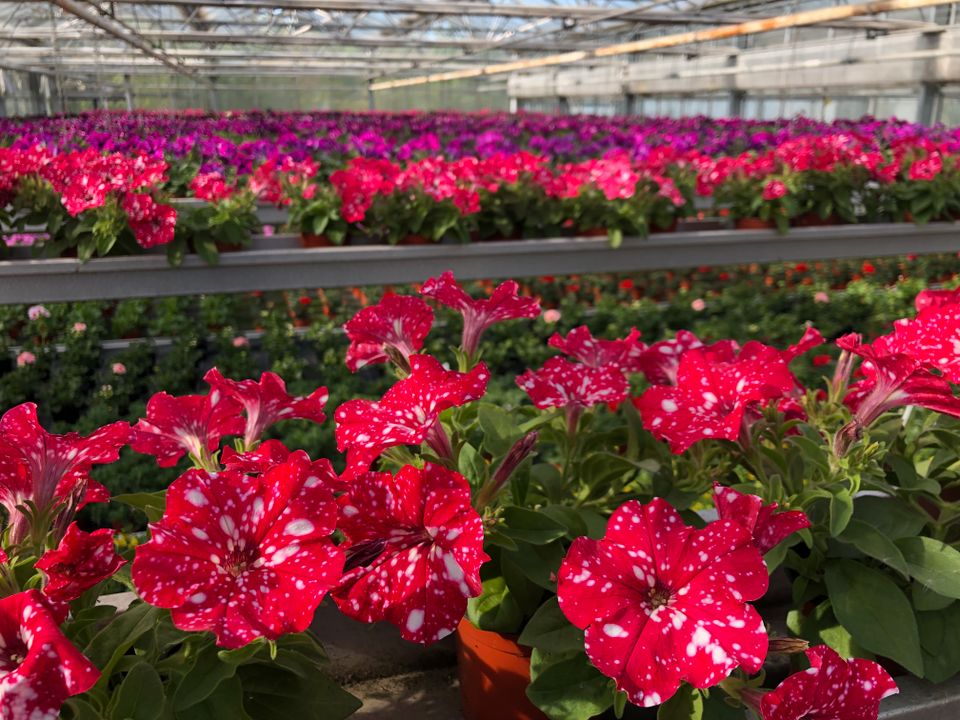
(128,92)
(928,107)
(371,99)
(632,104)
(563,105)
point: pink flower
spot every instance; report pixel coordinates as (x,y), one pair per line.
(398,323)
(39,667)
(193,424)
(118,369)
(663,603)
(240,342)
(597,353)
(267,402)
(242,556)
(79,327)
(713,391)
(26,358)
(768,527)
(81,561)
(48,469)
(832,689)
(478,315)
(699,305)
(821,297)
(551,316)
(35,312)
(774,190)
(407,414)
(414,551)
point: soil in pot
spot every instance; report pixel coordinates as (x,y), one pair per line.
(753,224)
(494,674)
(223,247)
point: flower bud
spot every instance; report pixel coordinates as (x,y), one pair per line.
(787,645)
(520,451)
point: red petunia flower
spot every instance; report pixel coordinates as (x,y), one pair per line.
(45,469)
(598,353)
(832,689)
(271,453)
(768,527)
(931,339)
(267,402)
(193,424)
(399,322)
(242,556)
(503,304)
(407,414)
(936,298)
(81,561)
(659,362)
(414,551)
(39,667)
(891,379)
(713,392)
(662,602)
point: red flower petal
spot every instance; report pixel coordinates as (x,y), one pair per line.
(397,321)
(416,544)
(831,688)
(406,413)
(561,383)
(659,362)
(80,561)
(242,556)
(267,402)
(598,353)
(192,424)
(768,527)
(661,602)
(503,304)
(39,667)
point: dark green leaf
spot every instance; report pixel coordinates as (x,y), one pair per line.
(841,510)
(203,680)
(686,704)
(550,631)
(940,639)
(870,541)
(140,695)
(531,526)
(495,609)
(570,689)
(875,611)
(933,563)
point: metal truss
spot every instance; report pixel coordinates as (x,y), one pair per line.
(84,43)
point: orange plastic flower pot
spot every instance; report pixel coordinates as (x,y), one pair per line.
(752,223)
(494,674)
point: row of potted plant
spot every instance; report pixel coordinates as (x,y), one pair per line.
(574,524)
(91,204)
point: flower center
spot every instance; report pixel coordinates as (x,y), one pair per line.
(659,596)
(238,561)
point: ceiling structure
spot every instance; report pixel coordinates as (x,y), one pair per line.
(83,44)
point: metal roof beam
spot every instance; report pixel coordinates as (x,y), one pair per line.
(117,30)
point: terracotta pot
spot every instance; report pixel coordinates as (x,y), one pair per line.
(752,223)
(811,219)
(494,674)
(309,240)
(415,240)
(593,232)
(672,227)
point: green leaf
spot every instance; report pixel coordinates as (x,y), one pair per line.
(527,593)
(933,563)
(550,631)
(890,516)
(203,680)
(548,477)
(500,431)
(539,563)
(926,599)
(140,695)
(273,693)
(686,704)
(531,526)
(875,611)
(495,608)
(870,541)
(151,504)
(113,641)
(225,702)
(471,465)
(570,689)
(841,510)
(940,640)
